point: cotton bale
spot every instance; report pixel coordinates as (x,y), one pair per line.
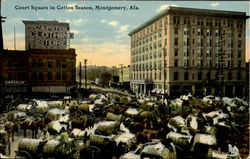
(180,139)
(29,145)
(125,100)
(176,122)
(55,126)
(240,102)
(56,104)
(99,140)
(219,155)
(92,97)
(130,155)
(158,150)
(83,107)
(146,114)
(113,96)
(128,138)
(177,104)
(210,130)
(100,102)
(77,133)
(141,101)
(147,106)
(108,127)
(132,112)
(24,107)
(113,117)
(42,107)
(51,147)
(54,114)
(203,142)
(192,122)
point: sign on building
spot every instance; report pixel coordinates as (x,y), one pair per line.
(47,35)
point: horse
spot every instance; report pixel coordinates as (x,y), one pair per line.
(11,128)
(85,122)
(32,125)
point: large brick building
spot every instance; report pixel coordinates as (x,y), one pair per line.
(46,66)
(204,52)
(38,70)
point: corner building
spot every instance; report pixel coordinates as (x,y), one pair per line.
(204,53)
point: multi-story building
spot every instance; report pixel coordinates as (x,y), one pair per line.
(124,76)
(38,70)
(200,51)
(46,66)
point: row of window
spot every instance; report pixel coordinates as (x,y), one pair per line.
(186,63)
(186,76)
(49,63)
(39,76)
(146,57)
(186,21)
(145,42)
(208,22)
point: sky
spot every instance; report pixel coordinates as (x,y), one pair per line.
(101,36)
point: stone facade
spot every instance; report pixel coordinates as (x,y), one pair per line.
(204,53)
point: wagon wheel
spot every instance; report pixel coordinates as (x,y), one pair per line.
(23,154)
(94,149)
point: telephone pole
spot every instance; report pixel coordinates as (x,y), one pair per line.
(1,49)
(85,67)
(80,75)
(164,74)
(122,71)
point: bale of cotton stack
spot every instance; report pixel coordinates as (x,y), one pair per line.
(55,126)
(159,150)
(128,138)
(83,107)
(24,107)
(50,147)
(180,139)
(202,144)
(177,104)
(132,112)
(146,114)
(77,133)
(54,114)
(99,139)
(125,100)
(176,122)
(56,104)
(42,106)
(113,117)
(29,145)
(130,155)
(92,97)
(107,127)
(147,106)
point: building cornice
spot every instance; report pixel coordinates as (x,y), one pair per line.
(193,11)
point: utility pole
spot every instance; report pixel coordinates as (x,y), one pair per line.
(85,67)
(164,73)
(80,75)
(122,71)
(1,49)
(1,32)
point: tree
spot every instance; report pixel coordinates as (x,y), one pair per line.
(105,78)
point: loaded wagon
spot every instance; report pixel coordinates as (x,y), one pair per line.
(37,148)
(4,143)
